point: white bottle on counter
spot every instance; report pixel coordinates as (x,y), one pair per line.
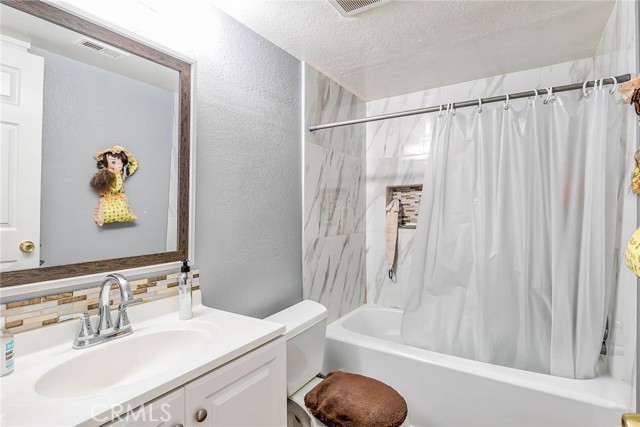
(6,339)
(184,291)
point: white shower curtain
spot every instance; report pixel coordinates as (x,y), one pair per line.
(515,253)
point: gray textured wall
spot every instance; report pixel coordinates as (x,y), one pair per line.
(249,171)
(85,110)
(248,225)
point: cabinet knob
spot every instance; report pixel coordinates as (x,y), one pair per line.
(178,425)
(201,415)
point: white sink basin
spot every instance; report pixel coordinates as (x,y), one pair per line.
(55,385)
(121,362)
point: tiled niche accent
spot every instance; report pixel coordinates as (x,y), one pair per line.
(409,196)
(33,313)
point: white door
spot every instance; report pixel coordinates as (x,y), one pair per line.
(21,75)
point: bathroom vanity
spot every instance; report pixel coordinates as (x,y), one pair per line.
(216,369)
(241,393)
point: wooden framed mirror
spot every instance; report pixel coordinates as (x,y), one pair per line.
(164,166)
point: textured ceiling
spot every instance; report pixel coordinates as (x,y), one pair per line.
(406,46)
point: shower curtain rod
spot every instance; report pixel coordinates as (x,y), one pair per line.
(474,103)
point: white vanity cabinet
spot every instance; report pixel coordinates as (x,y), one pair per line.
(165,411)
(163,374)
(249,391)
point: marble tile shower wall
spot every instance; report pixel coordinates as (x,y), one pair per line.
(397,150)
(334,198)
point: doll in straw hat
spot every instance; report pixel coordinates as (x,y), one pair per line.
(115,164)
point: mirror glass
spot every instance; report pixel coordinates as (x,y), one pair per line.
(103,95)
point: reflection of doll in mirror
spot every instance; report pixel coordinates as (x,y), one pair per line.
(115,164)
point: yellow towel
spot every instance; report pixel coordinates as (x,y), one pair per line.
(632,254)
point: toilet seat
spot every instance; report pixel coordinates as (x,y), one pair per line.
(297,408)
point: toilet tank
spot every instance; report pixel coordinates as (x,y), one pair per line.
(306,324)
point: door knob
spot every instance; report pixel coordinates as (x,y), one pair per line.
(201,415)
(27,246)
(631,420)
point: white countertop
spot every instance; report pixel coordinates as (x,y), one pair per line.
(227,336)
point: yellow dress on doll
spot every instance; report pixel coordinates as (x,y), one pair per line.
(113,205)
(115,164)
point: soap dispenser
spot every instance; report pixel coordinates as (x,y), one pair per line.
(7,349)
(184,291)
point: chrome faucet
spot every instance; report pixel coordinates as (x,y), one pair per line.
(106,329)
(126,298)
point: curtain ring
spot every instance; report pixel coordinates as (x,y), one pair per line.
(506,102)
(532,100)
(549,95)
(479,105)
(440,111)
(585,92)
(453,110)
(615,85)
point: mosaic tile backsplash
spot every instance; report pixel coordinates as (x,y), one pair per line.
(409,197)
(33,313)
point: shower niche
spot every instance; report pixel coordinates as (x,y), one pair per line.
(409,196)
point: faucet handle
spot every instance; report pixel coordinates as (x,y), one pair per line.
(123,320)
(125,304)
(85,326)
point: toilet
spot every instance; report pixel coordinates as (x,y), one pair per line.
(306,324)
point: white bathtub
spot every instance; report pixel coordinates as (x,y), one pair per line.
(443,390)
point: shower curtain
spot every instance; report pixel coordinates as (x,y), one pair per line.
(516,247)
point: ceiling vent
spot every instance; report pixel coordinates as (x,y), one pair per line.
(102,48)
(353,7)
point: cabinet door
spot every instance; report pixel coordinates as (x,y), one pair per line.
(165,411)
(248,392)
